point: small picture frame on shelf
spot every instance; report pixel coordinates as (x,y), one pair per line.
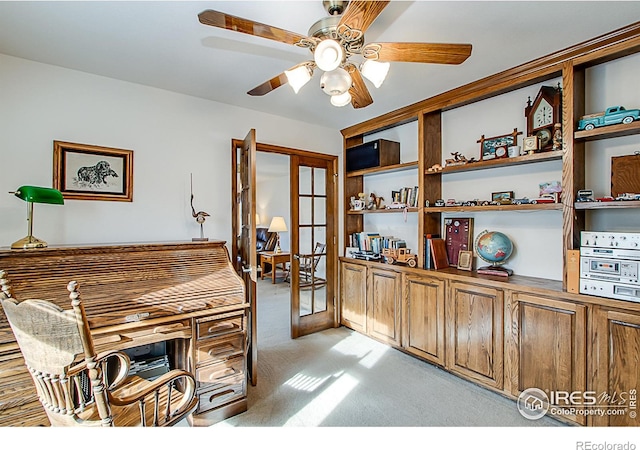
(497,146)
(504,195)
(465,260)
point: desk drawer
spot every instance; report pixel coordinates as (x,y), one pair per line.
(219,325)
(220,349)
(220,373)
(219,397)
(150,334)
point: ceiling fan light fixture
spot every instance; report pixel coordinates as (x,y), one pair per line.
(336,82)
(298,77)
(340,100)
(328,55)
(375,71)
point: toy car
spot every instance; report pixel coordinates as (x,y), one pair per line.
(452,202)
(521,201)
(544,198)
(606,198)
(470,203)
(628,196)
(439,202)
(401,255)
(504,201)
(585,195)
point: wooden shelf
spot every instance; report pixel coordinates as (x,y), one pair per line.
(609,131)
(385,169)
(381,211)
(502,162)
(528,207)
(608,205)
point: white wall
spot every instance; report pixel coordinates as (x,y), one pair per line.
(172,136)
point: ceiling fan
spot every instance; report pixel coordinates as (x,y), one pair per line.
(336,42)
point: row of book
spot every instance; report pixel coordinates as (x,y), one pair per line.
(406,195)
(374,242)
(435,252)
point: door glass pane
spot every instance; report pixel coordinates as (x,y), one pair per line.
(304,211)
(319,176)
(319,211)
(305,180)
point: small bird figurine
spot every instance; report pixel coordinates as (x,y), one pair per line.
(200,216)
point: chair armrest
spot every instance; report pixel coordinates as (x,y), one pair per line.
(103,359)
(140,389)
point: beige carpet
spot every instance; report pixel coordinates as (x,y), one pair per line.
(340,378)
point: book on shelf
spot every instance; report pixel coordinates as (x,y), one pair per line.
(439,253)
(428,258)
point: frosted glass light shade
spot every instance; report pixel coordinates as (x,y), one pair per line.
(328,55)
(336,82)
(375,71)
(341,99)
(298,77)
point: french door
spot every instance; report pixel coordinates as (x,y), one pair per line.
(313,244)
(244,249)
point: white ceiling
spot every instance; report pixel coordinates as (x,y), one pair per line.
(162,44)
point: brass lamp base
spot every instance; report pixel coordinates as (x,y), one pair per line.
(29,242)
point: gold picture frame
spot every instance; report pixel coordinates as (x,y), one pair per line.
(91,172)
(465,260)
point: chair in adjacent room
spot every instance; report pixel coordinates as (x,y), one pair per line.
(308,267)
(79,388)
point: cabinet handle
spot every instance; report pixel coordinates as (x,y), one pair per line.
(221,394)
(222,373)
(220,327)
(168,328)
(222,351)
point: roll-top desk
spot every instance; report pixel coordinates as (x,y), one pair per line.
(186,294)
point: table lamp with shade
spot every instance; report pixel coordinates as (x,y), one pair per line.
(31,195)
(277,226)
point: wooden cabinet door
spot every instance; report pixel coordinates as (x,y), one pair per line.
(353,296)
(615,365)
(423,317)
(475,329)
(383,306)
(546,348)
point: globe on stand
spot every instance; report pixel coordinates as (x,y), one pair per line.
(495,248)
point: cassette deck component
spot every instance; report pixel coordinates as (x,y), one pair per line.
(610,265)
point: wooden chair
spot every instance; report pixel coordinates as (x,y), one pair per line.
(79,388)
(308,266)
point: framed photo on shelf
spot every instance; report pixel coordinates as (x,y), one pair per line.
(498,146)
(465,260)
(504,195)
(90,172)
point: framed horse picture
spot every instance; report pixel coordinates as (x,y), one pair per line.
(90,172)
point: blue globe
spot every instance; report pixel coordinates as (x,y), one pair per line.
(493,247)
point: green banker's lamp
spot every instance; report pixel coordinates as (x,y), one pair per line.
(31,195)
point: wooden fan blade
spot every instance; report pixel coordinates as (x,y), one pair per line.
(269,86)
(419,52)
(233,23)
(359,15)
(360,96)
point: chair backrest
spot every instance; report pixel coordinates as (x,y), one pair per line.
(318,252)
(51,340)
